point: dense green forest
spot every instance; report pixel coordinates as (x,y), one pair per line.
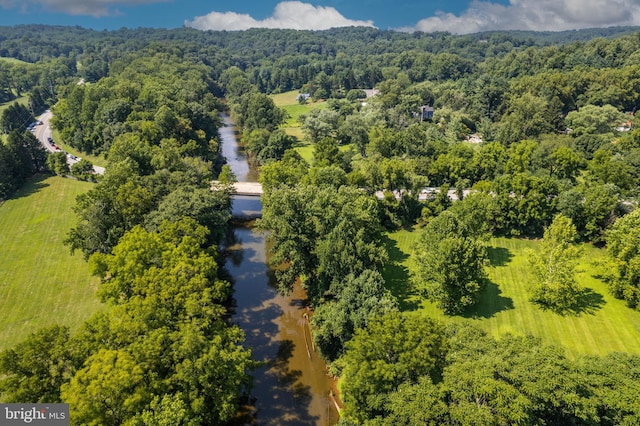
(533,135)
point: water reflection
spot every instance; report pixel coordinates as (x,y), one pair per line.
(234,154)
(292,387)
(246,207)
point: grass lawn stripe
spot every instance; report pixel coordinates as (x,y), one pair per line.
(41,284)
(607,325)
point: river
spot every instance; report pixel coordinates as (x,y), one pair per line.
(292,388)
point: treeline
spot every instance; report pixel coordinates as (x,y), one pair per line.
(20,158)
(21,154)
(161,353)
(281,60)
(38,81)
(143,95)
(156,123)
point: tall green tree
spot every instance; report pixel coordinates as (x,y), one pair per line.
(57,163)
(289,171)
(108,390)
(592,119)
(29,154)
(83,169)
(327,153)
(525,203)
(449,262)
(361,298)
(15,117)
(7,176)
(34,369)
(554,267)
(164,334)
(257,111)
(392,350)
(623,247)
(322,235)
(318,124)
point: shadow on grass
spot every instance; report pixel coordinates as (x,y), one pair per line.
(499,256)
(396,275)
(490,302)
(588,303)
(31,186)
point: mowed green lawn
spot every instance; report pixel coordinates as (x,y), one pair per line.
(24,100)
(40,282)
(288,101)
(603,325)
(13,60)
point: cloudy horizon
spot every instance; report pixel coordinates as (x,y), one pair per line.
(455,16)
(535,15)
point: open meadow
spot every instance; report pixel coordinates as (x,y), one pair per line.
(602,324)
(41,284)
(288,101)
(12,60)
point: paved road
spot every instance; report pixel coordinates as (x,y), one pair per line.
(43,133)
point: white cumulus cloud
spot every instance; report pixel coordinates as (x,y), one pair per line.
(287,14)
(95,8)
(538,15)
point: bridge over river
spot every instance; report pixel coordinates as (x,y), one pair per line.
(243,188)
(255,189)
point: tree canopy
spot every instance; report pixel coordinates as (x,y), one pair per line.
(449,263)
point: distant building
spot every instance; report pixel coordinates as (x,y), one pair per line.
(303,97)
(426,112)
(624,127)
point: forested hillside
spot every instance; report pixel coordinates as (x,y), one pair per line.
(511,134)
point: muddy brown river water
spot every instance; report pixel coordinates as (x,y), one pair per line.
(292,388)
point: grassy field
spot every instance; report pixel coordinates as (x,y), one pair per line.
(24,100)
(288,101)
(40,282)
(13,61)
(603,325)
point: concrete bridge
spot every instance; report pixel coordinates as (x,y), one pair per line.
(243,188)
(255,189)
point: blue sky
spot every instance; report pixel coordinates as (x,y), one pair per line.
(456,16)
